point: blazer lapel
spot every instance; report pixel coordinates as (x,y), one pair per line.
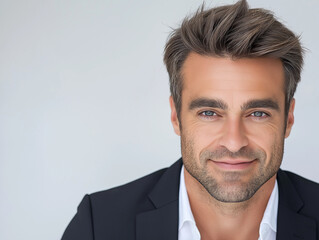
(162,222)
(291,224)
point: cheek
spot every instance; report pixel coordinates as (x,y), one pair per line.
(204,135)
(265,136)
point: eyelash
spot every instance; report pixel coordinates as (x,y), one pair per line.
(264,115)
(203,114)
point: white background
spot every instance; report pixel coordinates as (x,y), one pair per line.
(84,102)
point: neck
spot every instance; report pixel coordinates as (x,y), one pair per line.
(219,220)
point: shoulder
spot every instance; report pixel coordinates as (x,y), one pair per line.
(307,190)
(111,214)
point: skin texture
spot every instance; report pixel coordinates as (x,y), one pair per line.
(232,127)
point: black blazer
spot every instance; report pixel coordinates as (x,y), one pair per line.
(147,209)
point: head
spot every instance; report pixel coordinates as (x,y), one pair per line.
(233,74)
(233,31)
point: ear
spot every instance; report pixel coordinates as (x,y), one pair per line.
(174,118)
(290,118)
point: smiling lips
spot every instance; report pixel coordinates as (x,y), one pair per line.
(234,164)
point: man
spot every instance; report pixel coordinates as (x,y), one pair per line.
(233,74)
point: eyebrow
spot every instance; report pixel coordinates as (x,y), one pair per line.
(206,102)
(217,103)
(261,103)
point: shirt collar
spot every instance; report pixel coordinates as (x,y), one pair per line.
(187,229)
(185,212)
(269,219)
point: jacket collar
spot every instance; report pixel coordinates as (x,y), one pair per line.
(291,225)
(162,222)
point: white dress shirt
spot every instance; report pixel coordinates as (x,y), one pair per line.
(187,229)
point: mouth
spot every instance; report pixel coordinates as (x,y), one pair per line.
(234,164)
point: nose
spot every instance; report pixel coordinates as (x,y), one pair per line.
(234,135)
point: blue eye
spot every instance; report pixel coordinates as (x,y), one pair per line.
(208,113)
(259,114)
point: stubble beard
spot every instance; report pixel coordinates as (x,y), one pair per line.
(231,188)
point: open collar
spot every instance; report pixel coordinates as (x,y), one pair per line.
(162,221)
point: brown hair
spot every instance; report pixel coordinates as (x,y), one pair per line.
(233,31)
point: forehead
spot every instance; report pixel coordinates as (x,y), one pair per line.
(240,79)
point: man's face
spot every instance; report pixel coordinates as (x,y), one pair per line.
(232,123)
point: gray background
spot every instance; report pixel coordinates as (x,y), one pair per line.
(84,102)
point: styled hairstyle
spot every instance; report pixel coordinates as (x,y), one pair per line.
(233,31)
